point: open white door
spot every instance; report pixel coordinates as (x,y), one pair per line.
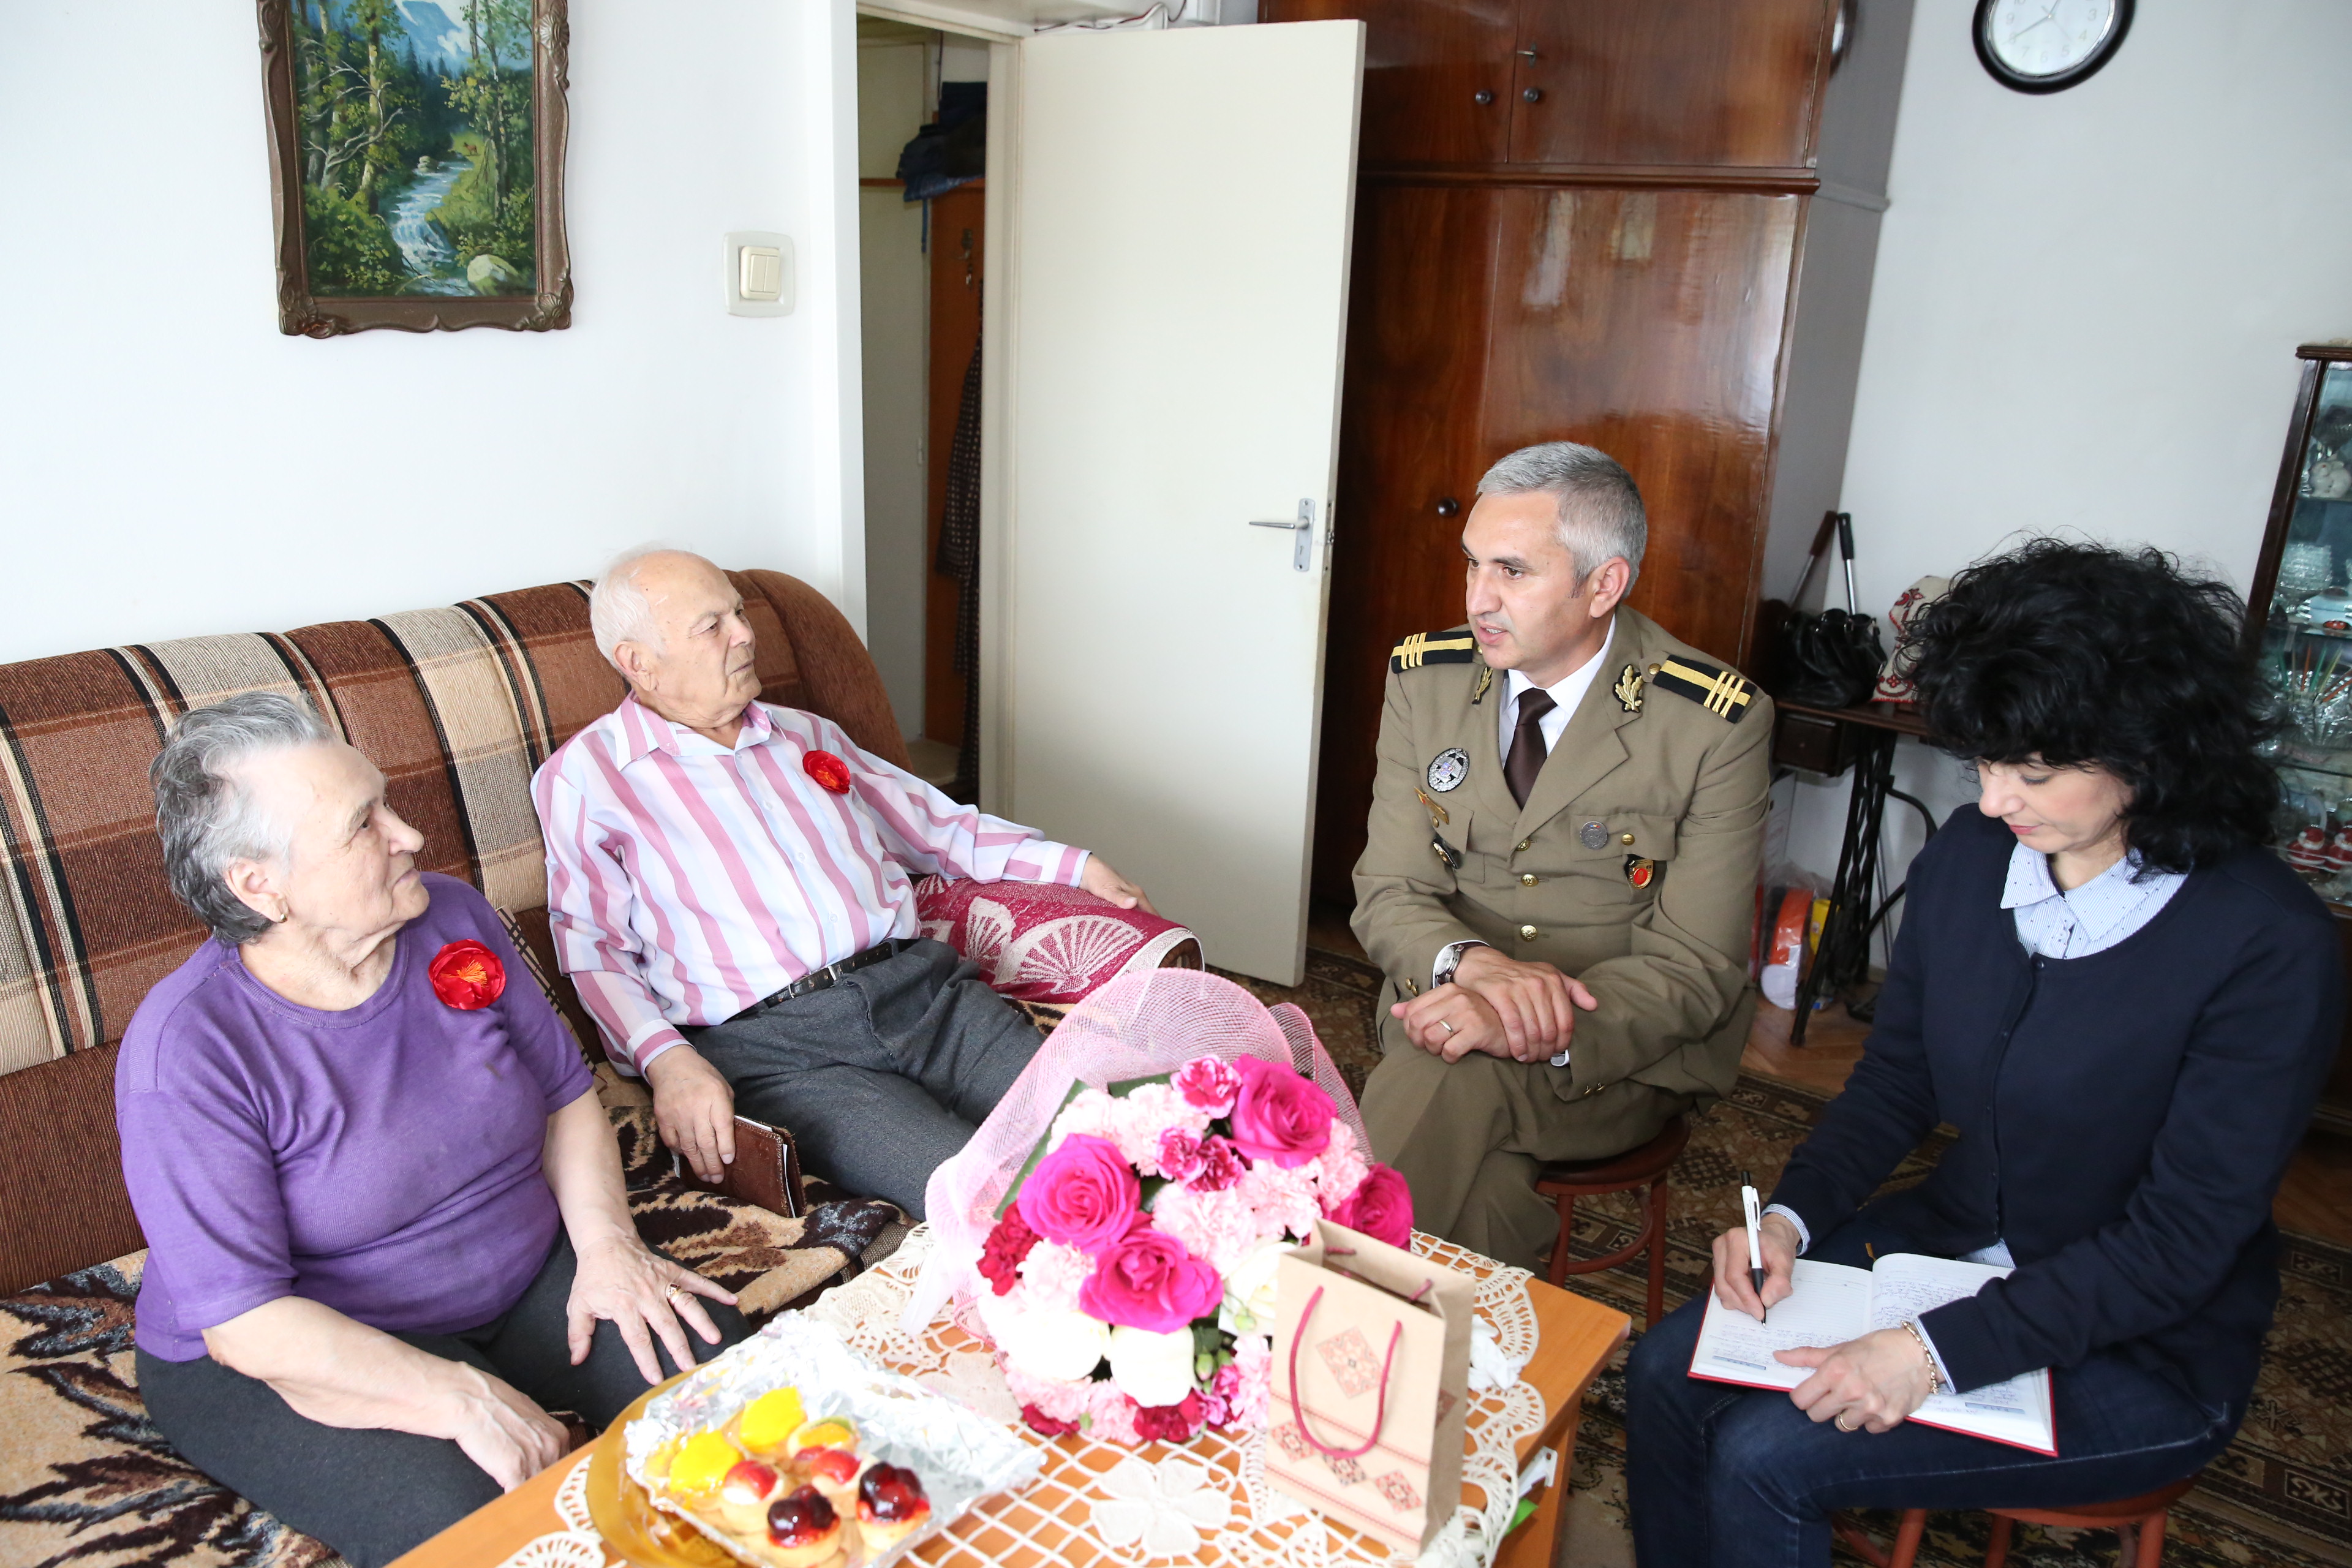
(1179,274)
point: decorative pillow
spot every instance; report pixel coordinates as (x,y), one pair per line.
(1041,941)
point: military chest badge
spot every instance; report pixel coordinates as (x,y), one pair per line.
(1448,769)
(1640,871)
(1593,836)
(1628,690)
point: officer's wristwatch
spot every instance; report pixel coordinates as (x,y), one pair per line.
(1449,961)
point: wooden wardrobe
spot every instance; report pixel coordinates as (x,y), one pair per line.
(1647,224)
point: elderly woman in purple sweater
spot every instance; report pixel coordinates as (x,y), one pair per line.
(385,1211)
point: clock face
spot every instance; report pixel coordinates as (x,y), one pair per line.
(2040,46)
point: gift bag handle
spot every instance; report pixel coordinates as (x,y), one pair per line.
(1380,1411)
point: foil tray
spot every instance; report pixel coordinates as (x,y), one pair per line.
(960,1456)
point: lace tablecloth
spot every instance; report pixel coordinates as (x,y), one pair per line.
(1206,1501)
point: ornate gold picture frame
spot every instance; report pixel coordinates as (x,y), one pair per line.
(417,163)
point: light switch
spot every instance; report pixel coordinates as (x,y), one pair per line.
(764,272)
(758,274)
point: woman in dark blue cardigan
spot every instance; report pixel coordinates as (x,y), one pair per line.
(2124,1003)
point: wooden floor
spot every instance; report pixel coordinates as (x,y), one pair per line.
(2315,1198)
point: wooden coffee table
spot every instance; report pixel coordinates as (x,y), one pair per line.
(1576,1339)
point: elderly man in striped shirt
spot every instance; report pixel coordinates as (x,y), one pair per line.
(730,885)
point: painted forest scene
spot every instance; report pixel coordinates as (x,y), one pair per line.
(415,134)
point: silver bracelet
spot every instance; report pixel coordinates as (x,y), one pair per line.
(1920,1337)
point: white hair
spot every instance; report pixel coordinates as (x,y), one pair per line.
(618,610)
(1600,513)
(206,812)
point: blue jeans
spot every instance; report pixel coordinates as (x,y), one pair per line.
(1722,1476)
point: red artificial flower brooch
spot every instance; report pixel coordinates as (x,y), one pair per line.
(467,975)
(827,770)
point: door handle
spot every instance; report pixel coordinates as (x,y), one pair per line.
(1301,530)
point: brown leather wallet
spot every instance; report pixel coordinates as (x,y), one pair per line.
(766,1170)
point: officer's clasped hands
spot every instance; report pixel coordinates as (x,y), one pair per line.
(1526,1012)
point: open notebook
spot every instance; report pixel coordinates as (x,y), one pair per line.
(1833,1304)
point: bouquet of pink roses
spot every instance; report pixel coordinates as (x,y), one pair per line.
(1127,1279)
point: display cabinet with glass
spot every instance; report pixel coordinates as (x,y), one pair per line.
(2300,624)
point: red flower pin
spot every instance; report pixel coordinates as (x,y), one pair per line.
(827,770)
(467,975)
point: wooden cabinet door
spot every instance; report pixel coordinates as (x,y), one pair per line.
(1714,82)
(1649,324)
(1410,440)
(1425,63)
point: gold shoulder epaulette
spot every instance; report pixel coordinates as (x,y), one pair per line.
(1724,693)
(1456,647)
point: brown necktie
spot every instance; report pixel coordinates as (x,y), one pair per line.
(1527,758)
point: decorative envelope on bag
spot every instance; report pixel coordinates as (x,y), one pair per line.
(1370,1385)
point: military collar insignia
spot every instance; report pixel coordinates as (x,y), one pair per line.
(1485,680)
(1448,769)
(1628,690)
(1724,693)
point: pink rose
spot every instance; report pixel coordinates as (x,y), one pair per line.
(1380,1207)
(1148,1281)
(1083,1195)
(1208,1083)
(1279,1116)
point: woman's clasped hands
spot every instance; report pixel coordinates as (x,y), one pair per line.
(1867,1384)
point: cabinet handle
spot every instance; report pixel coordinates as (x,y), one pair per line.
(1533,95)
(1481,96)
(1449,507)
(1530,53)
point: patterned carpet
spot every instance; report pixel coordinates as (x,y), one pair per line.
(2282,1494)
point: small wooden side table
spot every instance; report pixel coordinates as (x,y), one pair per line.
(1575,1340)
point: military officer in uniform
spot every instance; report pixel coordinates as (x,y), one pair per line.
(1561,877)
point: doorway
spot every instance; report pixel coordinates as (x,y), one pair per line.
(922,265)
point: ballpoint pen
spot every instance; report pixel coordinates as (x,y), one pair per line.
(1755,1250)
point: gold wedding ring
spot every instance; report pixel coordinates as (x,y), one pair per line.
(1838,1422)
(1449,1026)
(672,1295)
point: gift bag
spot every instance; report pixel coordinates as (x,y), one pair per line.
(1370,1385)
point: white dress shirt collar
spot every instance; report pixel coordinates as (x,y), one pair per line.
(2091,919)
(1565,695)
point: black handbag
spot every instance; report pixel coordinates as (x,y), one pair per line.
(1830,659)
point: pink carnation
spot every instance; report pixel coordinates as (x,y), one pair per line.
(1223,1228)
(1178,1155)
(1082,1195)
(1283,1200)
(1051,1276)
(1221,1164)
(1146,1113)
(1111,1414)
(1339,1170)
(1279,1115)
(1061,1401)
(1092,1113)
(1252,1369)
(1209,1083)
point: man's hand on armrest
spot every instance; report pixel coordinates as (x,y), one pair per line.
(694,1109)
(1103,882)
(1534,1003)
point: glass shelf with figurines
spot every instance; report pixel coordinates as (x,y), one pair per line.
(2300,623)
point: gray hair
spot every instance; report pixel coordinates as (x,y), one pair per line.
(205,814)
(618,610)
(1601,513)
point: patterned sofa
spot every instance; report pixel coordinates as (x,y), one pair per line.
(457,707)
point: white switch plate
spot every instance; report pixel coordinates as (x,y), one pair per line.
(737,271)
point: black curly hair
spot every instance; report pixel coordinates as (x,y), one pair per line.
(2079,653)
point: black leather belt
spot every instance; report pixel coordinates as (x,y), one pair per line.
(818,980)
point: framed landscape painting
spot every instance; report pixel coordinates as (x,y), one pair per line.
(416,161)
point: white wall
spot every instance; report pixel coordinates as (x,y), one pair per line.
(171,464)
(2087,304)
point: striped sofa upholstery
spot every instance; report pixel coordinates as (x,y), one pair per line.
(457,706)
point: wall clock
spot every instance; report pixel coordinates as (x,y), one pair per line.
(2046,45)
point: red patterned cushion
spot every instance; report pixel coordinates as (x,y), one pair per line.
(1039,942)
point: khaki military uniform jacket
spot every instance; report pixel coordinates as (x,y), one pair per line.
(1633,866)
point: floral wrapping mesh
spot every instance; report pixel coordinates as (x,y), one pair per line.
(1055,1521)
(1136,1026)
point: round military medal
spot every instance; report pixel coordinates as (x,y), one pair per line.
(1448,769)
(1593,836)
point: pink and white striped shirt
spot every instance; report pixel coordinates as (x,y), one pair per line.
(685,880)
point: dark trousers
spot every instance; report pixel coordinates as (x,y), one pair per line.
(371,1493)
(881,1076)
(1740,1477)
